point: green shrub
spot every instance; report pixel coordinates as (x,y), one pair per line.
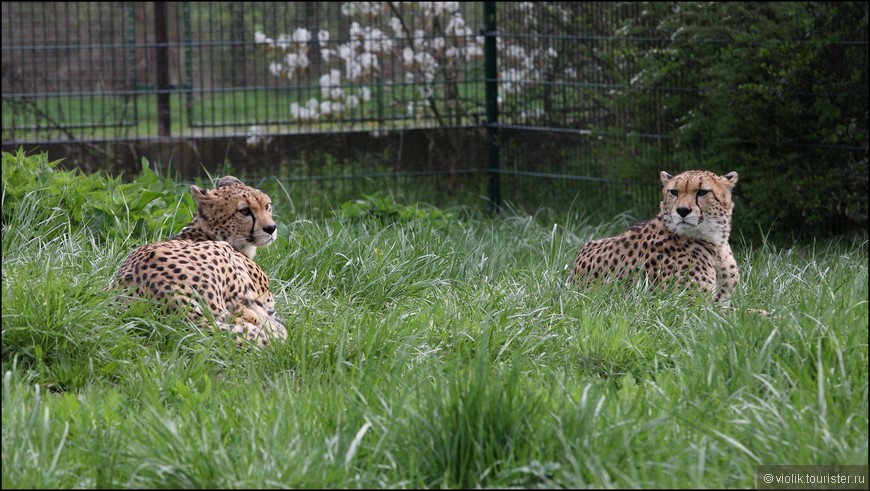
(54,200)
(386,208)
(779,95)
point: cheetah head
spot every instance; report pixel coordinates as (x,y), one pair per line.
(235,213)
(697,204)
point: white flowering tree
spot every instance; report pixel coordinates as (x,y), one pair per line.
(426,45)
(418,54)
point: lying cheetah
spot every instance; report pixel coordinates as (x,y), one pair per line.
(686,241)
(210,263)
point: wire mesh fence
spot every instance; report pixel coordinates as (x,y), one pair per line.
(588,100)
(84,71)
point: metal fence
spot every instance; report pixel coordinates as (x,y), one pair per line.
(85,71)
(527,102)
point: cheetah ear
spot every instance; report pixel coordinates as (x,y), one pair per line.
(198,193)
(665,177)
(729,179)
(228,181)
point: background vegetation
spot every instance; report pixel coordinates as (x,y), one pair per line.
(429,347)
(781,97)
(595,99)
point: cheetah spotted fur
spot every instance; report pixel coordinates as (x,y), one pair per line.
(210,263)
(686,241)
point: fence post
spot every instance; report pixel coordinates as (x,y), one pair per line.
(490,68)
(161,47)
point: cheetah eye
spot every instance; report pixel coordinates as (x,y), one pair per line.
(268,206)
(703,192)
(245,211)
(674,192)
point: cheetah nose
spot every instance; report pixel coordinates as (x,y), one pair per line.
(269,229)
(683,212)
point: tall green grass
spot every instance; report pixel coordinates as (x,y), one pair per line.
(428,348)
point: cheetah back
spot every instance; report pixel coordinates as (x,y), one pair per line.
(213,270)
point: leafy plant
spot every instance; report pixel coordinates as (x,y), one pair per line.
(385,207)
(104,205)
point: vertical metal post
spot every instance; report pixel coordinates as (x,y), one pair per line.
(131,96)
(161,47)
(187,57)
(490,68)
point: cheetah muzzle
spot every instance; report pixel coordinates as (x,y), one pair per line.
(687,242)
(209,264)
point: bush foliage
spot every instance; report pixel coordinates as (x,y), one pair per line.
(77,200)
(781,97)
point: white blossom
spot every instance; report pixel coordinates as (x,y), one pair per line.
(276,69)
(515,51)
(368,61)
(261,38)
(356,31)
(345,52)
(330,85)
(428,65)
(419,40)
(512,74)
(408,56)
(396,26)
(257,137)
(303,113)
(376,41)
(456,26)
(472,52)
(325,108)
(525,6)
(301,35)
(368,9)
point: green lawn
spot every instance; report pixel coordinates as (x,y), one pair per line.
(428,348)
(207,113)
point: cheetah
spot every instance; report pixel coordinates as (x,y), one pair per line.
(686,241)
(210,263)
